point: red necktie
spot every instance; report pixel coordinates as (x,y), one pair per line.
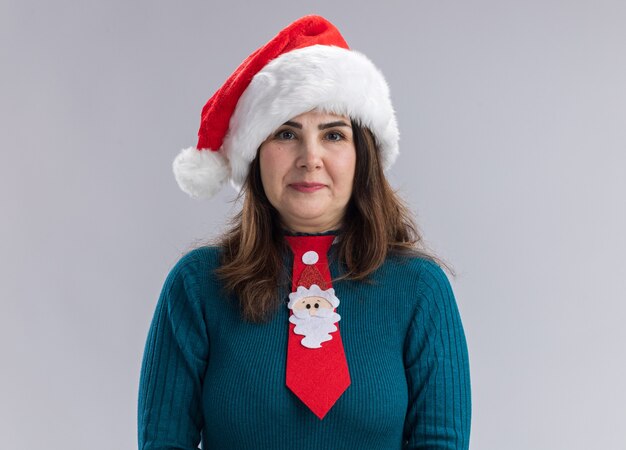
(317,370)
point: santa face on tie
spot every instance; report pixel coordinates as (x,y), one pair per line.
(313,314)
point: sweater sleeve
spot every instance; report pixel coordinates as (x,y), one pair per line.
(174,361)
(437,368)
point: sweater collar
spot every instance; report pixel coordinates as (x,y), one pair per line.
(323,233)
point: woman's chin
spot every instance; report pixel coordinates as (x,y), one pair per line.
(311,223)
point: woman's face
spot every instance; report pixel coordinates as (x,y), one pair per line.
(307,170)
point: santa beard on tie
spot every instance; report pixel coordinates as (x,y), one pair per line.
(315,326)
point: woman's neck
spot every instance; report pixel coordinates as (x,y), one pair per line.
(306,233)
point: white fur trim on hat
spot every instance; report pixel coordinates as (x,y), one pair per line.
(313,291)
(200,173)
(322,77)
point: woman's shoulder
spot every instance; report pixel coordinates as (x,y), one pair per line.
(192,279)
(204,255)
(415,266)
(196,263)
(421,279)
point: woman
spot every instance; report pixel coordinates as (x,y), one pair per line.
(317,322)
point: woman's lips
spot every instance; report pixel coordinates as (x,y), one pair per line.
(306,187)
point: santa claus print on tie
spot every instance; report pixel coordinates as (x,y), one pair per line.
(313,306)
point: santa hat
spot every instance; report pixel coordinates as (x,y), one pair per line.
(306,66)
(311,283)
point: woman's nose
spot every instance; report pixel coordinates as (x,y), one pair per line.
(310,156)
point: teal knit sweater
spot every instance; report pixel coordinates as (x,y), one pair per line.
(210,377)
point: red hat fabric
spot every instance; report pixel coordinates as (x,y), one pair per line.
(308,65)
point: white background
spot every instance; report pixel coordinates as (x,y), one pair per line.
(512,116)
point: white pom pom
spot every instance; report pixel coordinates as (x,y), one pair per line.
(200,173)
(310,258)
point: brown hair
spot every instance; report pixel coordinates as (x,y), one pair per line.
(375,214)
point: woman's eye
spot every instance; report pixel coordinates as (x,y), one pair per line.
(285,134)
(334,136)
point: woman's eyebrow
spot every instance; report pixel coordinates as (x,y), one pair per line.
(322,126)
(293,124)
(337,123)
